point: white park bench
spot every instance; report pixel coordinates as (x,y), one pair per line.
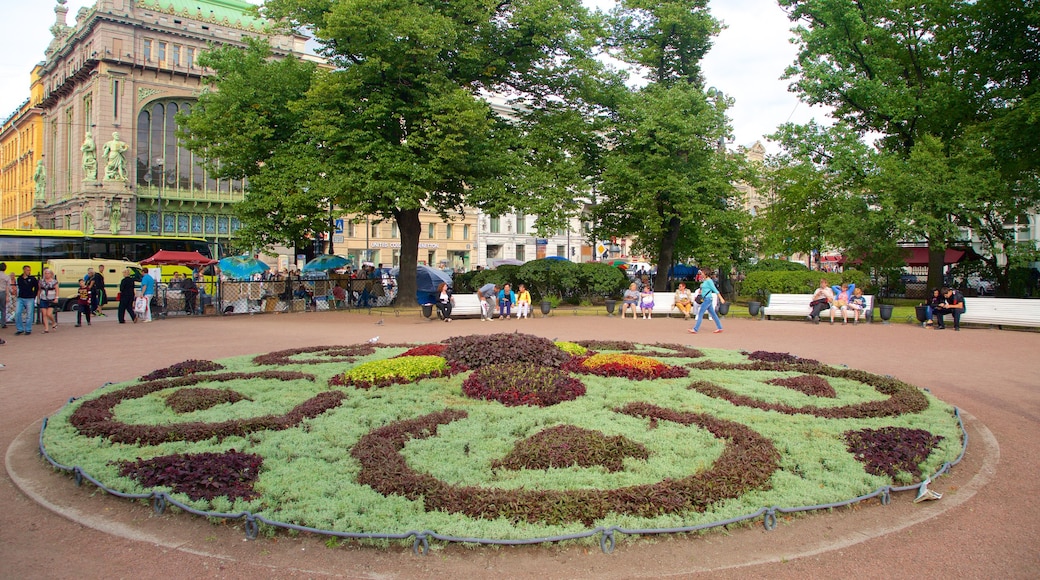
(1001,312)
(798,305)
(465,305)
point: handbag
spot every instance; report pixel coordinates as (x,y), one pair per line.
(699,299)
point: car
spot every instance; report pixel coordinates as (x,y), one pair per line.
(980,285)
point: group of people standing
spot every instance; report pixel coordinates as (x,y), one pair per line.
(28,292)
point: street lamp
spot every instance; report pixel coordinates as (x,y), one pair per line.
(158,166)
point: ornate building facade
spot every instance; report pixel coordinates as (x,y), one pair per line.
(112,85)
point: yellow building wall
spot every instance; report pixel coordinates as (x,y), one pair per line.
(21,146)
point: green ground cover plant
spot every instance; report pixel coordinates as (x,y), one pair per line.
(507,436)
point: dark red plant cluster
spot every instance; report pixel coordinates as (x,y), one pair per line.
(197,399)
(902,398)
(340,380)
(425,350)
(808,384)
(94,418)
(476,351)
(198,475)
(890,450)
(779,357)
(747,463)
(635,372)
(567,445)
(181,369)
(522,384)
(328,354)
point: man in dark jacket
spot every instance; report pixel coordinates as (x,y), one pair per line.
(28,288)
(953,304)
(127,293)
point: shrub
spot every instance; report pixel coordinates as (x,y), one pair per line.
(348,353)
(522,384)
(478,351)
(567,445)
(182,369)
(801,282)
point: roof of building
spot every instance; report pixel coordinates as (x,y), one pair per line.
(234,13)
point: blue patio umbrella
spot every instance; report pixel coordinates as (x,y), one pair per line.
(325,262)
(557,258)
(682,271)
(241,267)
(427,280)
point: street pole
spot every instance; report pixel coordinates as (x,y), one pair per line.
(159,163)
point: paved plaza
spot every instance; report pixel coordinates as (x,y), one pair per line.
(986,526)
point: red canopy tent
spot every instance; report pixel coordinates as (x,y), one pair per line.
(174,258)
(919,257)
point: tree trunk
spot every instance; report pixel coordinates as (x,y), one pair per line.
(936,262)
(410,227)
(666,254)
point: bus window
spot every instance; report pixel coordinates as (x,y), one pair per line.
(21,250)
(59,248)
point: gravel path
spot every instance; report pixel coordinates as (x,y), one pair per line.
(984,527)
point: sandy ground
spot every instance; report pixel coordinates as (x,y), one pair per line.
(986,526)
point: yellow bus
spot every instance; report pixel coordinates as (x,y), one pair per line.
(37,248)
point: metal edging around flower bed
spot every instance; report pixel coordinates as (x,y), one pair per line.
(421,539)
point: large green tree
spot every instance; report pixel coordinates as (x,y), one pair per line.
(919,77)
(667,178)
(253,130)
(398,123)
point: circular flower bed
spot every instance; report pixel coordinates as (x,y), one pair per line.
(505,436)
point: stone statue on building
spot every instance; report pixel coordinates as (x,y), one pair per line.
(89,150)
(88,222)
(114,217)
(114,153)
(40,179)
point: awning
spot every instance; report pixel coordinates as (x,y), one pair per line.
(177,258)
(833,258)
(919,257)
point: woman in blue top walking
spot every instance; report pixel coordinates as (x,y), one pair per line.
(708,294)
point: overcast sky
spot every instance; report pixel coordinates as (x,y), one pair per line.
(745,63)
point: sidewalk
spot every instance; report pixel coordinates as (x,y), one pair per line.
(984,527)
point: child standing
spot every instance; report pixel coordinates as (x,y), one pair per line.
(83,303)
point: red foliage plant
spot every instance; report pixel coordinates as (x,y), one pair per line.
(479,351)
(566,445)
(181,369)
(197,399)
(522,384)
(630,366)
(425,350)
(95,418)
(808,384)
(889,450)
(199,475)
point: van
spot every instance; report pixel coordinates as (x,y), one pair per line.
(70,271)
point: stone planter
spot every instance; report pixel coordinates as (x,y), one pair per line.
(427,310)
(723,309)
(546,307)
(753,307)
(922,314)
(611,305)
(886,313)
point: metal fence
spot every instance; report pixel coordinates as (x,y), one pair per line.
(283,295)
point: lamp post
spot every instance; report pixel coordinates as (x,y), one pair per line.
(159,163)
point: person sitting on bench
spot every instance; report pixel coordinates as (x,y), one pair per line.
(953,304)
